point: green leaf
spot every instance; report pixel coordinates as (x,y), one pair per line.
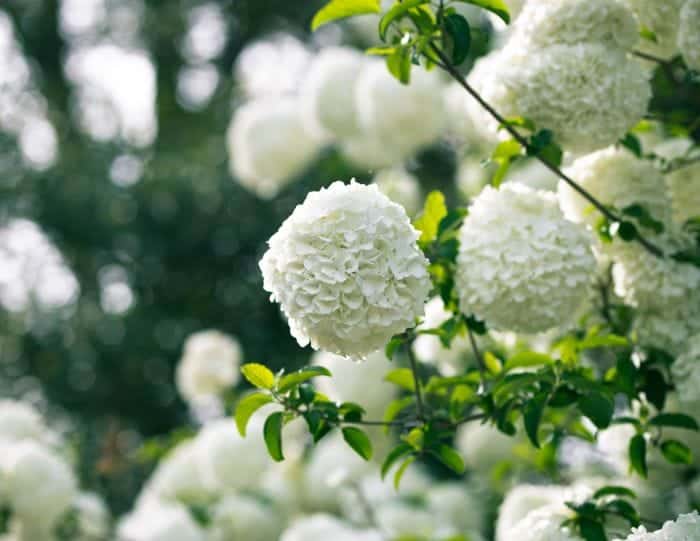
(624,509)
(527,359)
(403,377)
(627,231)
(259,375)
(647,34)
(504,154)
(450,458)
(380,51)
(397,11)
(395,343)
(614,490)
(591,530)
(247,406)
(359,441)
(532,417)
(598,408)
(603,341)
(638,454)
(433,213)
(498,7)
(676,452)
(401,450)
(675,420)
(297,378)
(399,64)
(395,407)
(272,431)
(415,438)
(401,470)
(655,388)
(493,363)
(457,27)
(340,9)
(632,143)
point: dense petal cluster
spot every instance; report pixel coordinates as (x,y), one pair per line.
(661,18)
(686,372)
(689,34)
(346,270)
(401,187)
(521,265)
(544,524)
(683,184)
(20,421)
(404,117)
(524,499)
(552,22)
(684,528)
(268,144)
(617,178)
(160,522)
(322,527)
(327,92)
(208,366)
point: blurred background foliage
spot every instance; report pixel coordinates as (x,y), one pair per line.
(156,241)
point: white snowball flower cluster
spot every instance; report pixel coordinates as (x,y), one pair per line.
(20,421)
(684,528)
(686,372)
(320,527)
(240,516)
(524,499)
(521,265)
(683,184)
(269,145)
(615,177)
(552,22)
(661,18)
(401,187)
(159,522)
(402,117)
(346,270)
(558,80)
(327,96)
(689,34)
(93,517)
(362,383)
(543,524)
(209,365)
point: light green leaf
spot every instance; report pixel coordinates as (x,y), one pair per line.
(340,9)
(297,378)
(498,7)
(272,431)
(398,10)
(401,470)
(403,377)
(399,64)
(450,458)
(493,363)
(433,213)
(359,441)
(259,375)
(247,406)
(676,452)
(526,359)
(396,453)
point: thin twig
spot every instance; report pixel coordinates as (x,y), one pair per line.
(475,348)
(454,73)
(470,418)
(651,57)
(416,382)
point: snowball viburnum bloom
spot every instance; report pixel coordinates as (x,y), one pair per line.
(209,365)
(552,22)
(686,372)
(346,270)
(20,421)
(684,528)
(543,524)
(661,18)
(521,265)
(401,187)
(689,34)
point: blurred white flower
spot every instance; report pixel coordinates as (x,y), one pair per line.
(661,18)
(543,524)
(359,382)
(483,446)
(93,517)
(684,528)
(615,177)
(560,88)
(521,265)
(404,117)
(20,421)
(523,500)
(272,67)
(327,93)
(369,151)
(320,527)
(238,516)
(346,270)
(459,505)
(401,519)
(686,372)
(209,365)
(157,522)
(268,144)
(689,34)
(40,486)
(401,187)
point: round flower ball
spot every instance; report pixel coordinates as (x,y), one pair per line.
(160,522)
(689,34)
(683,184)
(367,151)
(404,117)
(521,265)
(552,22)
(560,88)
(662,19)
(322,527)
(242,516)
(20,421)
(401,187)
(684,528)
(544,524)
(328,92)
(268,144)
(686,372)
(615,177)
(209,365)
(524,499)
(40,486)
(346,270)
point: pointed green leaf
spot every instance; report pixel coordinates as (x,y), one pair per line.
(598,408)
(297,378)
(403,377)
(272,431)
(675,420)
(676,452)
(450,458)
(498,7)
(638,454)
(401,450)
(532,417)
(614,490)
(247,406)
(527,359)
(399,64)
(396,12)
(340,9)
(457,27)
(401,470)
(359,441)
(259,375)
(592,530)
(433,213)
